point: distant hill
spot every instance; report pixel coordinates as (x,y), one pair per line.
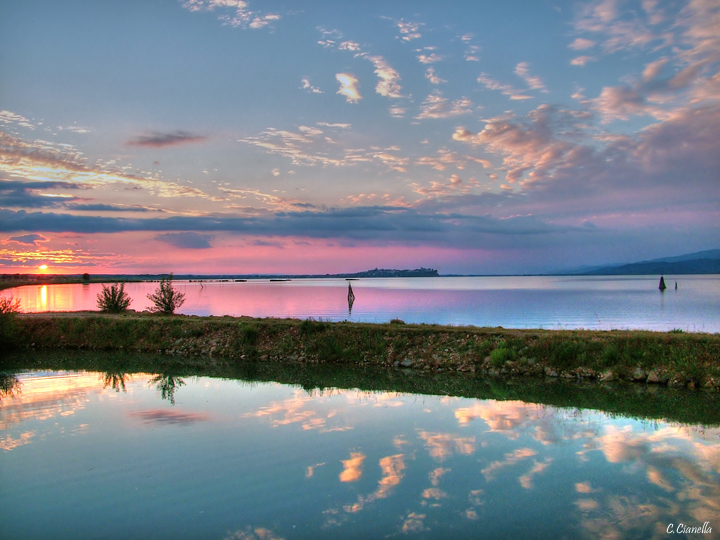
(384,273)
(701,262)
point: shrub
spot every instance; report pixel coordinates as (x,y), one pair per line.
(311,326)
(113,299)
(502,354)
(9,306)
(165,298)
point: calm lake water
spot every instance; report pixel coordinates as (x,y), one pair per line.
(597,302)
(157,457)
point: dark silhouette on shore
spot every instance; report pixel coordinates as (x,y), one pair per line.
(662,285)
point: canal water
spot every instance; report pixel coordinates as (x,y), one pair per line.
(551,302)
(111,455)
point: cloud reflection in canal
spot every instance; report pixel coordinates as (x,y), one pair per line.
(266,460)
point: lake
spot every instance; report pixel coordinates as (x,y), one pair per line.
(114,455)
(593,302)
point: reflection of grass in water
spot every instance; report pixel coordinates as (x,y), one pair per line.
(625,399)
(10,386)
(167,385)
(116,380)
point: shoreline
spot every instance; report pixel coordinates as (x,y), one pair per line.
(674,359)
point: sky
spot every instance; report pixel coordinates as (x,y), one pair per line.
(263,136)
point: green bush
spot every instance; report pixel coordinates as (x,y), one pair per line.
(113,299)
(502,354)
(311,326)
(9,306)
(166,299)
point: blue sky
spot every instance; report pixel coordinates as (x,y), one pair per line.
(262,136)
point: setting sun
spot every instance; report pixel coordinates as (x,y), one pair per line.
(43,267)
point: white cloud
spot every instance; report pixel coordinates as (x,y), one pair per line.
(430,75)
(522,70)
(436,106)
(580,44)
(307,86)
(409,30)
(429,58)
(582,60)
(349,46)
(348,87)
(492,84)
(240,15)
(389,85)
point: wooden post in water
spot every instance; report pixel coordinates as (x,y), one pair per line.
(351,298)
(662,285)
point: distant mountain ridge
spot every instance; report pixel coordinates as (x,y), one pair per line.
(700,262)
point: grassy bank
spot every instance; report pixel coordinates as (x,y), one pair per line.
(675,359)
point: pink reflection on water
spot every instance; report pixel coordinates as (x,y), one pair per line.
(512,302)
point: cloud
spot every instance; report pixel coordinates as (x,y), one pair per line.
(389,79)
(544,153)
(158,139)
(352,468)
(111,208)
(429,58)
(430,75)
(409,30)
(580,44)
(185,240)
(620,102)
(389,84)
(19,194)
(446,158)
(307,86)
(436,106)
(165,416)
(441,188)
(348,87)
(28,239)
(534,83)
(75,129)
(582,60)
(42,161)
(7,117)
(349,46)
(506,89)
(472,53)
(240,15)
(371,223)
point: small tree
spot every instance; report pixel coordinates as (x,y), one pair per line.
(86,277)
(9,304)
(113,299)
(166,298)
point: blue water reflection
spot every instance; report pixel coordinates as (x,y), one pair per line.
(229,459)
